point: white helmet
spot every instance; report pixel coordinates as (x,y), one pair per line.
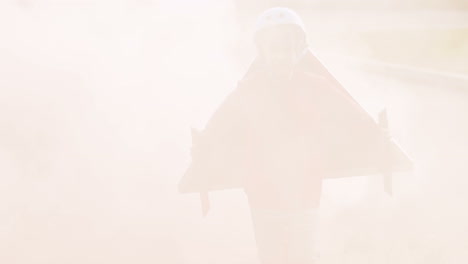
(278,16)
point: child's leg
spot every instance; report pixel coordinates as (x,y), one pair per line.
(302,236)
(269,228)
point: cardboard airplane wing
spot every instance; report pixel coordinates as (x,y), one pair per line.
(361,148)
(353,143)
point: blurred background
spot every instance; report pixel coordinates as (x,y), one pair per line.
(97,98)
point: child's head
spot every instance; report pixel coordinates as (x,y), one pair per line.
(280,38)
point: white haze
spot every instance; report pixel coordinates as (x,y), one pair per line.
(96,104)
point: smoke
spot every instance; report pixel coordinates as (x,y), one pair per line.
(97,101)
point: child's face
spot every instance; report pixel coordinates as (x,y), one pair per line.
(279,47)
